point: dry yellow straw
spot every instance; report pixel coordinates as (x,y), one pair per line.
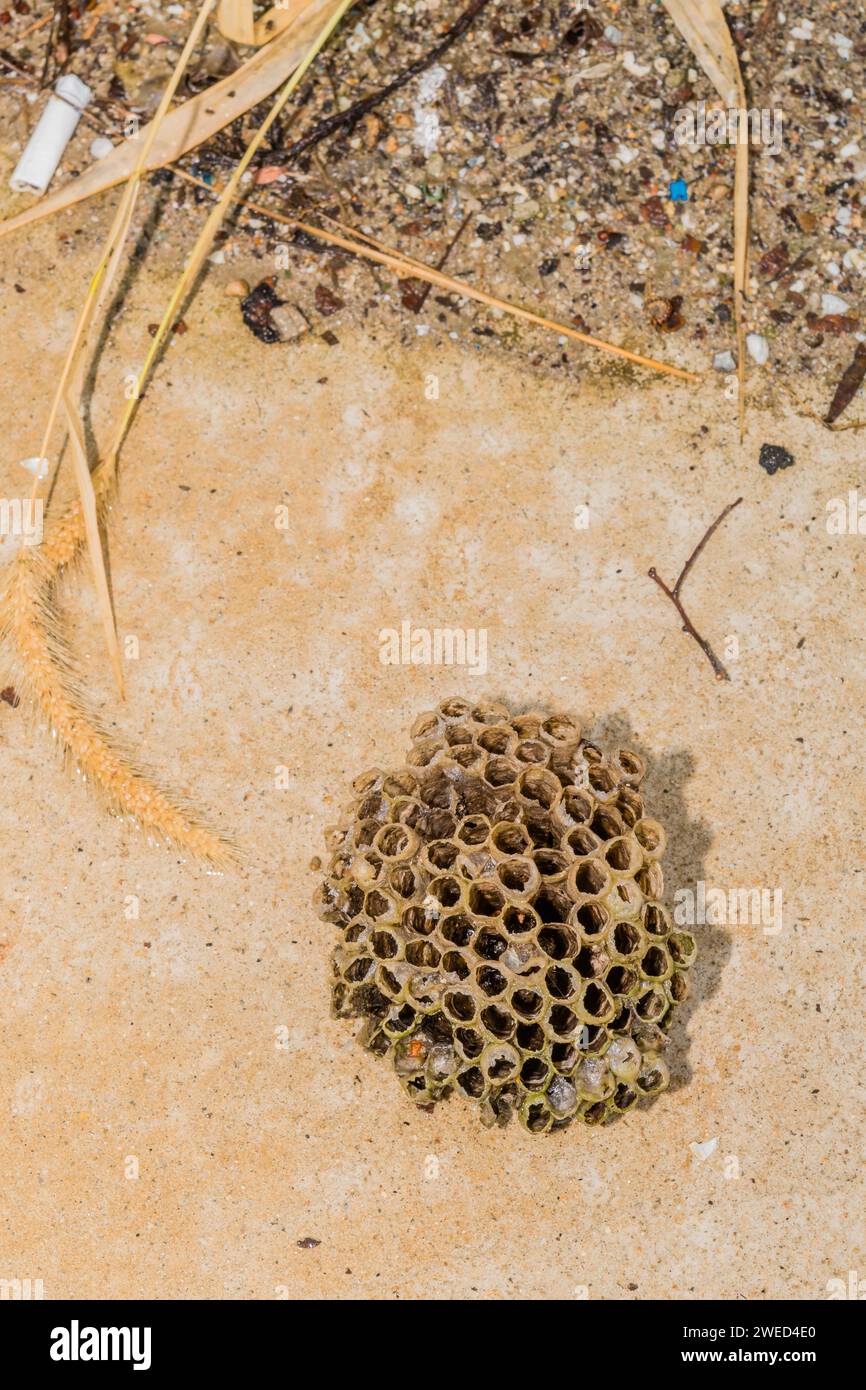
(28,618)
(704,27)
(213,223)
(356,242)
(69,386)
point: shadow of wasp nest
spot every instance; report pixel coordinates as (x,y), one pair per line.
(502,931)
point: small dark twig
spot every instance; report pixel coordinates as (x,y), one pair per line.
(790,268)
(674,594)
(88,115)
(415,292)
(16,67)
(59,42)
(352,114)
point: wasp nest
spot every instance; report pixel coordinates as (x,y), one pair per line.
(501,929)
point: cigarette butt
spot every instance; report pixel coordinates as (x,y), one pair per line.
(54,129)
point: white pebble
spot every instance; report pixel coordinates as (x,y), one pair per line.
(704,1150)
(833,304)
(843,45)
(724,362)
(100,147)
(631,65)
(759,348)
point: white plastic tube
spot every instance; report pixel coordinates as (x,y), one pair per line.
(54,129)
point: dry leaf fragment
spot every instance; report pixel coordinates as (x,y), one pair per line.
(235,20)
(849,384)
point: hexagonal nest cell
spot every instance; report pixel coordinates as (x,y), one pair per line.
(501,926)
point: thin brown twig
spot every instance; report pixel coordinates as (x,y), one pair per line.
(35,26)
(352,114)
(19,68)
(416,298)
(674,593)
(789,269)
(59,42)
(405,265)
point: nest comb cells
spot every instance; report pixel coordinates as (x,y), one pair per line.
(502,933)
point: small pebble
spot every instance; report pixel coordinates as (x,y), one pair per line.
(100,147)
(833,304)
(631,65)
(773,457)
(724,362)
(758,347)
(269,174)
(237,289)
(289,322)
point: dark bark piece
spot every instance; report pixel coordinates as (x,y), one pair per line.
(849,384)
(257,308)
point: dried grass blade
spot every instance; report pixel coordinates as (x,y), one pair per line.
(360,244)
(94,539)
(214,221)
(193,122)
(703,25)
(276,19)
(69,385)
(741,268)
(235,20)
